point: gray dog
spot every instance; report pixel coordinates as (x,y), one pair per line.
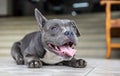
(53,44)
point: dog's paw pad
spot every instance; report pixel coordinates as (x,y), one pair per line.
(81,63)
(35,64)
(20,61)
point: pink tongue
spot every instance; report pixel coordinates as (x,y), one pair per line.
(67,50)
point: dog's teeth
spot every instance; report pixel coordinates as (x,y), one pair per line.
(56,48)
(73,46)
(49,45)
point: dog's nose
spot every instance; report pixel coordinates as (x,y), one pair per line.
(68,33)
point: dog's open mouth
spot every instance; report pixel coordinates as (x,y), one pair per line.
(65,49)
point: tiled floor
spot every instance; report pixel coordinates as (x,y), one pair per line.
(96,67)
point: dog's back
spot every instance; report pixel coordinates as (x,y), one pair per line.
(24,43)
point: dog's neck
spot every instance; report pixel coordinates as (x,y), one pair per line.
(52,58)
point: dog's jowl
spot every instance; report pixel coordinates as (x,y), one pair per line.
(53,44)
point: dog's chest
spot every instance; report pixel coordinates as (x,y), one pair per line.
(51,58)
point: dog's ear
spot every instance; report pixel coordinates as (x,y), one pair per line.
(76,28)
(41,20)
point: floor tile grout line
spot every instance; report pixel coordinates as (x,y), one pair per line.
(90,71)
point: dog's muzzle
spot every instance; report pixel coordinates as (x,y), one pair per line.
(67,48)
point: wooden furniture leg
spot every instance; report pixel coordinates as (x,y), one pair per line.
(108,36)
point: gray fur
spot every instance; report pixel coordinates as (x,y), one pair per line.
(33,49)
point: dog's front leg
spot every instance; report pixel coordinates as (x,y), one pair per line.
(32,61)
(76,63)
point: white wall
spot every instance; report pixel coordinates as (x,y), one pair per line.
(5,7)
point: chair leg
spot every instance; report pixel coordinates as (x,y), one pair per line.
(108,41)
(108,53)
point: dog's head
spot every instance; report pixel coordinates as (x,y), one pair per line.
(58,35)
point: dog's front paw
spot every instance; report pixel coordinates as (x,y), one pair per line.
(80,63)
(35,64)
(20,61)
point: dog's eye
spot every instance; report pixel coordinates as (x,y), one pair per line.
(74,27)
(53,28)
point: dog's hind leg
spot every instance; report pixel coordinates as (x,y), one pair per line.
(16,53)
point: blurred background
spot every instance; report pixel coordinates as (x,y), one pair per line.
(17,19)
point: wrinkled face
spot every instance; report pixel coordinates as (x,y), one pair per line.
(60,37)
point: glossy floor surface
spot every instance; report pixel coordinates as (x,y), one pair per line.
(95,67)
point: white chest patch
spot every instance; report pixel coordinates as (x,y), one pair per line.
(51,58)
